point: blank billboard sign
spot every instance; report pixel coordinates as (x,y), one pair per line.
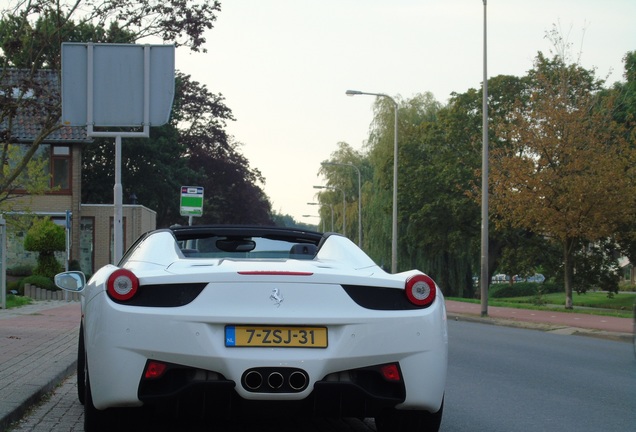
(117,92)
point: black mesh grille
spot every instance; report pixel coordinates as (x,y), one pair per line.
(165,295)
(379,298)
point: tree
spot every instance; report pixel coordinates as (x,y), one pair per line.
(345,178)
(45,237)
(182,22)
(24,95)
(285,220)
(625,93)
(379,148)
(567,170)
(625,114)
(144,161)
(435,214)
(32,179)
(31,34)
(596,267)
(441,157)
(524,253)
(232,188)
(193,149)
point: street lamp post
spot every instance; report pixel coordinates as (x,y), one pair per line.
(324,205)
(323,222)
(394,235)
(483,278)
(359,197)
(344,206)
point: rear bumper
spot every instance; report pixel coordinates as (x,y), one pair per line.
(356,393)
(193,338)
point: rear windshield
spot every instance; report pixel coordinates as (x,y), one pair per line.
(245,247)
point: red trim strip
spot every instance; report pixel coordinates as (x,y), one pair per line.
(274,273)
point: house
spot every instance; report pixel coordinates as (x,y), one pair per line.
(628,272)
(91,226)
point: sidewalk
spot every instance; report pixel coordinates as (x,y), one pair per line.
(557,322)
(38,349)
(38,343)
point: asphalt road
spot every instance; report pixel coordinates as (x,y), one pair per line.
(500,379)
(503,379)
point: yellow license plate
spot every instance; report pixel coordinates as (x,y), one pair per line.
(275,336)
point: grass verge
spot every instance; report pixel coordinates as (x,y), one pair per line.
(16,301)
(593,303)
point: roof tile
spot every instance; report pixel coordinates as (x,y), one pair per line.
(27,126)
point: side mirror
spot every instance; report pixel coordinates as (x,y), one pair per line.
(73,281)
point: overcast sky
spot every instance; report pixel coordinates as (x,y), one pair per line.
(283,67)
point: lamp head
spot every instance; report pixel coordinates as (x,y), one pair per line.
(353,92)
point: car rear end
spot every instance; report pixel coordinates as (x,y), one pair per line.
(301,335)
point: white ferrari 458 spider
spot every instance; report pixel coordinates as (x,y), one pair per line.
(243,319)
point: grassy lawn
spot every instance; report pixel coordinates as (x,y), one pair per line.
(595,303)
(15,301)
(621,301)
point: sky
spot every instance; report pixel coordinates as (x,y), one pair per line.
(283,67)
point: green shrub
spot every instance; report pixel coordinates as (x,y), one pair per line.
(523,289)
(45,237)
(551,287)
(48,266)
(38,281)
(15,286)
(20,270)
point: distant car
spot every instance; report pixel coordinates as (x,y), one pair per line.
(500,278)
(538,277)
(239,320)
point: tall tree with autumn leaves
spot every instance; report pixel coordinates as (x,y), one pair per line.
(567,171)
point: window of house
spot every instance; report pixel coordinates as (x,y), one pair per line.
(61,168)
(54,161)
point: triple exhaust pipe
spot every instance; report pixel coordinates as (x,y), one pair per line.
(275,380)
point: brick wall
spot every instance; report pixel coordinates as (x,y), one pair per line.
(137,220)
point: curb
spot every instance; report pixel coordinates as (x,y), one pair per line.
(36,397)
(548,328)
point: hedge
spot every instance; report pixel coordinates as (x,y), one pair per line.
(523,289)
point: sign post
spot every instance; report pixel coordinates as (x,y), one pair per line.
(191,202)
(3,261)
(110,87)
(67,230)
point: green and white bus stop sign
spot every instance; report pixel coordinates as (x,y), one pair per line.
(191,200)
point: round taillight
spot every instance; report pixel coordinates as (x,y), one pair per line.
(122,285)
(420,290)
